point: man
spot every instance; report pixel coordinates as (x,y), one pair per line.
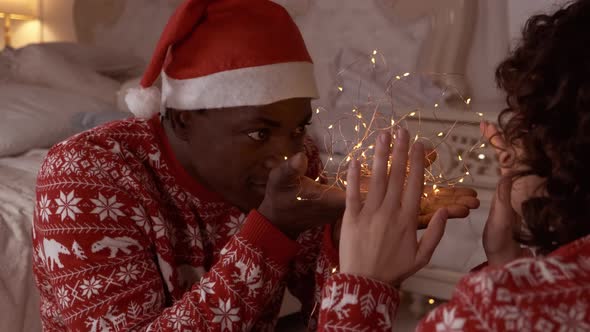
(198,219)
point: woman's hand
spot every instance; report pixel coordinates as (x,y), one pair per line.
(379,238)
(498,235)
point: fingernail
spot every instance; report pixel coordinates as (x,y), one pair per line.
(383,138)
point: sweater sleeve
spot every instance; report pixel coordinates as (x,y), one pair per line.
(315,262)
(318,256)
(97,270)
(352,303)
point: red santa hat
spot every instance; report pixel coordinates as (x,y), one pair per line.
(225,53)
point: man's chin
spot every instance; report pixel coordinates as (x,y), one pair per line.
(249,201)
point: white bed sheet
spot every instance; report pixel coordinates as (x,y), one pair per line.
(19,300)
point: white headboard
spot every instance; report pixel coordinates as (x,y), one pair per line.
(132,26)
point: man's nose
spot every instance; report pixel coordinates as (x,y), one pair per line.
(281,151)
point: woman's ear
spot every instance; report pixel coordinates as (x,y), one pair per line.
(180,123)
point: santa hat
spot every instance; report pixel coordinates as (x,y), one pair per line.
(225,53)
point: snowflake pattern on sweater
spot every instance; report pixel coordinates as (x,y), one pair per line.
(124,239)
(545,294)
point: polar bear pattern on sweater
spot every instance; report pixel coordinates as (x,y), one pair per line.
(115,244)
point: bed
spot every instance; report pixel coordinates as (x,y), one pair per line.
(52,91)
(19,299)
(48,92)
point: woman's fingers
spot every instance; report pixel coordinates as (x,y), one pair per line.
(493,135)
(415,184)
(353,194)
(431,238)
(378,181)
(504,154)
(397,174)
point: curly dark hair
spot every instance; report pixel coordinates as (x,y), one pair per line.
(547,81)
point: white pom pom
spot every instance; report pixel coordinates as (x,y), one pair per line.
(144,103)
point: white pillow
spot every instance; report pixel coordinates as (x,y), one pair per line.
(109,62)
(37,117)
(42,66)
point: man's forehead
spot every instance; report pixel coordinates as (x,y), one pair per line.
(292,109)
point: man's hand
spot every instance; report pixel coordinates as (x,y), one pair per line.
(458,202)
(295,203)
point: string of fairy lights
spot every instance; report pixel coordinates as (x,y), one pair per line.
(374,120)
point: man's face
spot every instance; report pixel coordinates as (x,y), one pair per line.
(233,150)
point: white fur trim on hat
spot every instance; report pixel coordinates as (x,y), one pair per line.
(250,86)
(144,102)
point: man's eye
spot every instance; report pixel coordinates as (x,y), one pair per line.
(259,135)
(301,130)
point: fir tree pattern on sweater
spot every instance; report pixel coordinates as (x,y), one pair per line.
(123,239)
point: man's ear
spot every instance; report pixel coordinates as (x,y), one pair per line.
(180,122)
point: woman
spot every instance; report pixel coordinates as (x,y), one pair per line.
(542,201)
